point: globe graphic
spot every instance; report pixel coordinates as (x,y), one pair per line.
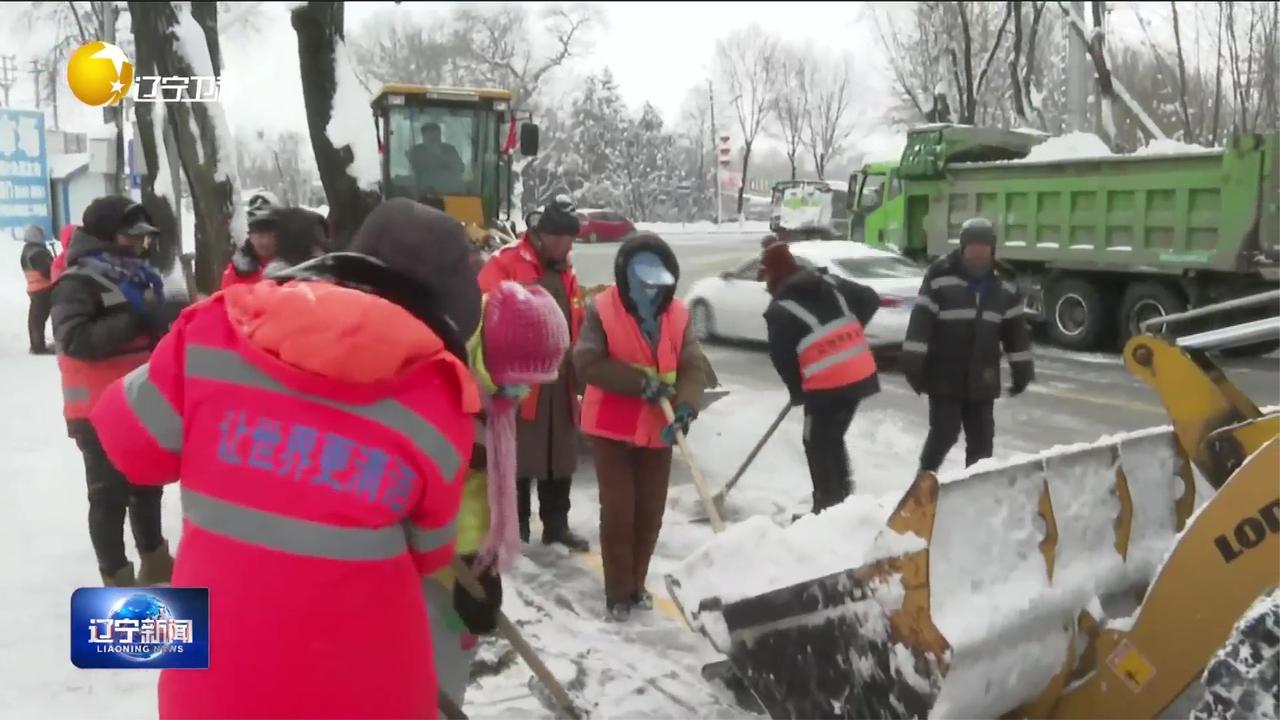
(139,607)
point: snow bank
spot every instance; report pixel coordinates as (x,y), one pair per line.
(1166,146)
(351,121)
(704,227)
(1072,146)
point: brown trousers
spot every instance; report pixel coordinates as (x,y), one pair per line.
(633,495)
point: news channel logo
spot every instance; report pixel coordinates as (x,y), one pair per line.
(100,73)
(140,628)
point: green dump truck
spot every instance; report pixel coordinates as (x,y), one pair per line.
(1099,244)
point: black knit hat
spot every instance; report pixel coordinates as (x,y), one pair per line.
(977,230)
(109,215)
(559,217)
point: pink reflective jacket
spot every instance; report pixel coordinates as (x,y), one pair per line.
(321,435)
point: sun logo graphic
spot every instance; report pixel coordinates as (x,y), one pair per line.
(99,73)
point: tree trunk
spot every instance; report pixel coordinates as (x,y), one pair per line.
(196,129)
(319,26)
(1019,108)
(1189,136)
(1217,85)
(969,111)
(150,137)
(742,184)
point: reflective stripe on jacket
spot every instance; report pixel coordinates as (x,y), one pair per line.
(832,354)
(632,419)
(313,501)
(36,281)
(519,263)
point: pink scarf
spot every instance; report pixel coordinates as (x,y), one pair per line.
(502,544)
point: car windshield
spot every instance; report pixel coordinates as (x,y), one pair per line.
(433,151)
(886,266)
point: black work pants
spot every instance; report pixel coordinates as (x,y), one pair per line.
(553,502)
(947,415)
(38,315)
(110,498)
(825,425)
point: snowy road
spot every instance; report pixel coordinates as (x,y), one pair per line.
(648,668)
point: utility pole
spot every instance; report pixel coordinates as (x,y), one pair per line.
(36,72)
(8,75)
(1078,75)
(715,149)
(53,90)
(114,114)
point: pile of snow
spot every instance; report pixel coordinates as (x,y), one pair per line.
(350,122)
(756,555)
(1072,146)
(1166,146)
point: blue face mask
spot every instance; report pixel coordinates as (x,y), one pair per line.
(646,278)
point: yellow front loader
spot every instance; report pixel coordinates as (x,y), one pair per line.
(1096,581)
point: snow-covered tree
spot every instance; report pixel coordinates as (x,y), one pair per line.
(791,104)
(183,37)
(748,63)
(277,161)
(829,119)
(646,165)
(343,135)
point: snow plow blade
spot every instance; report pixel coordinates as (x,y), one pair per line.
(1003,560)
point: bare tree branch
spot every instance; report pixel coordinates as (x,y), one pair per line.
(995,47)
(79,25)
(1182,74)
(967,106)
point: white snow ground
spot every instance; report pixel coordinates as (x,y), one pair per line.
(647,668)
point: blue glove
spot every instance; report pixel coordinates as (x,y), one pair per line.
(654,390)
(135,290)
(684,416)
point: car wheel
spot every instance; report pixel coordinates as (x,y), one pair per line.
(702,322)
(1077,314)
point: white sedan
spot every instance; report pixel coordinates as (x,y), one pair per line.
(732,304)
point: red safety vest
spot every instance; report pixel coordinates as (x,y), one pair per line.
(833,354)
(626,418)
(84,381)
(519,263)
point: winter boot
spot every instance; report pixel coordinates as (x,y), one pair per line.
(553,507)
(157,566)
(121,578)
(523,489)
(642,600)
(558,533)
(619,612)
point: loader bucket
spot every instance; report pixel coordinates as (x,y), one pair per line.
(979,616)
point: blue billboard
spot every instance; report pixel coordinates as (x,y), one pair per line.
(24,174)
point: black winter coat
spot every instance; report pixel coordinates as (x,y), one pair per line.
(85,327)
(36,256)
(953,343)
(815,291)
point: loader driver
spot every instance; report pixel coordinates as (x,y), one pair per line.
(815,323)
(437,166)
(968,307)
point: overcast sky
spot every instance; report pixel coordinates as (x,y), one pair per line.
(657,51)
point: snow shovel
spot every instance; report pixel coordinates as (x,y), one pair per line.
(700,482)
(719,497)
(521,646)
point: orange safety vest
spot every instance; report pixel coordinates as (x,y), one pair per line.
(631,419)
(833,354)
(36,281)
(84,381)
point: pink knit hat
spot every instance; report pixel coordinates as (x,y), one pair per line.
(525,336)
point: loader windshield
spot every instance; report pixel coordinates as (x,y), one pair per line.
(433,151)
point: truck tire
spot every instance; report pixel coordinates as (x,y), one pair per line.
(1076,314)
(1145,300)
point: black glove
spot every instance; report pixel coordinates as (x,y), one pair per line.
(1017,388)
(684,415)
(480,616)
(654,390)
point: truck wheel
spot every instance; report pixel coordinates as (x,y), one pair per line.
(1076,314)
(1145,301)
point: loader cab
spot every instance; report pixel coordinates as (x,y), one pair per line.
(452,148)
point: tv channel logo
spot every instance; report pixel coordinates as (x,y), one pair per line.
(140,628)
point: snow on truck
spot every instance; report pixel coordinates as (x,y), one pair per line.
(1100,242)
(1131,577)
(453,147)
